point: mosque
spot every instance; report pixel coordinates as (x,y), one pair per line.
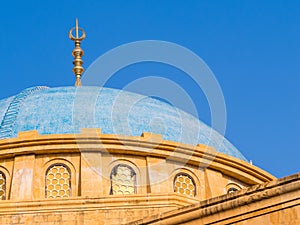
(78,155)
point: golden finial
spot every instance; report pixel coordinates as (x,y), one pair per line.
(77,52)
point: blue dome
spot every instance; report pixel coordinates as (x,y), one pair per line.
(66,110)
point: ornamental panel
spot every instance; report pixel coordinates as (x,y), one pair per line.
(184,184)
(58,182)
(2,186)
(123,180)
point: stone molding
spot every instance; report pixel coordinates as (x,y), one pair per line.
(214,206)
(91,140)
(73,204)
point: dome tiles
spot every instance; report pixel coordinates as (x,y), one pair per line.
(65,110)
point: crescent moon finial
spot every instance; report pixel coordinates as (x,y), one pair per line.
(77,52)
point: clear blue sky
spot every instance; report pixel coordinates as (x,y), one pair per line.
(253,48)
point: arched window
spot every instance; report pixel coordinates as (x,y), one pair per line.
(184,184)
(232,187)
(231,190)
(58,181)
(123,180)
(2,186)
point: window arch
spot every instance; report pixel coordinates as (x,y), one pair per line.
(184,184)
(2,186)
(58,181)
(122,180)
(232,188)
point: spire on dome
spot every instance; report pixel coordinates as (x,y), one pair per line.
(77,52)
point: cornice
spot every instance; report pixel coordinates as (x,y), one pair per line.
(230,201)
(148,144)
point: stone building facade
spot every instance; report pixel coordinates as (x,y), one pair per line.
(64,162)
